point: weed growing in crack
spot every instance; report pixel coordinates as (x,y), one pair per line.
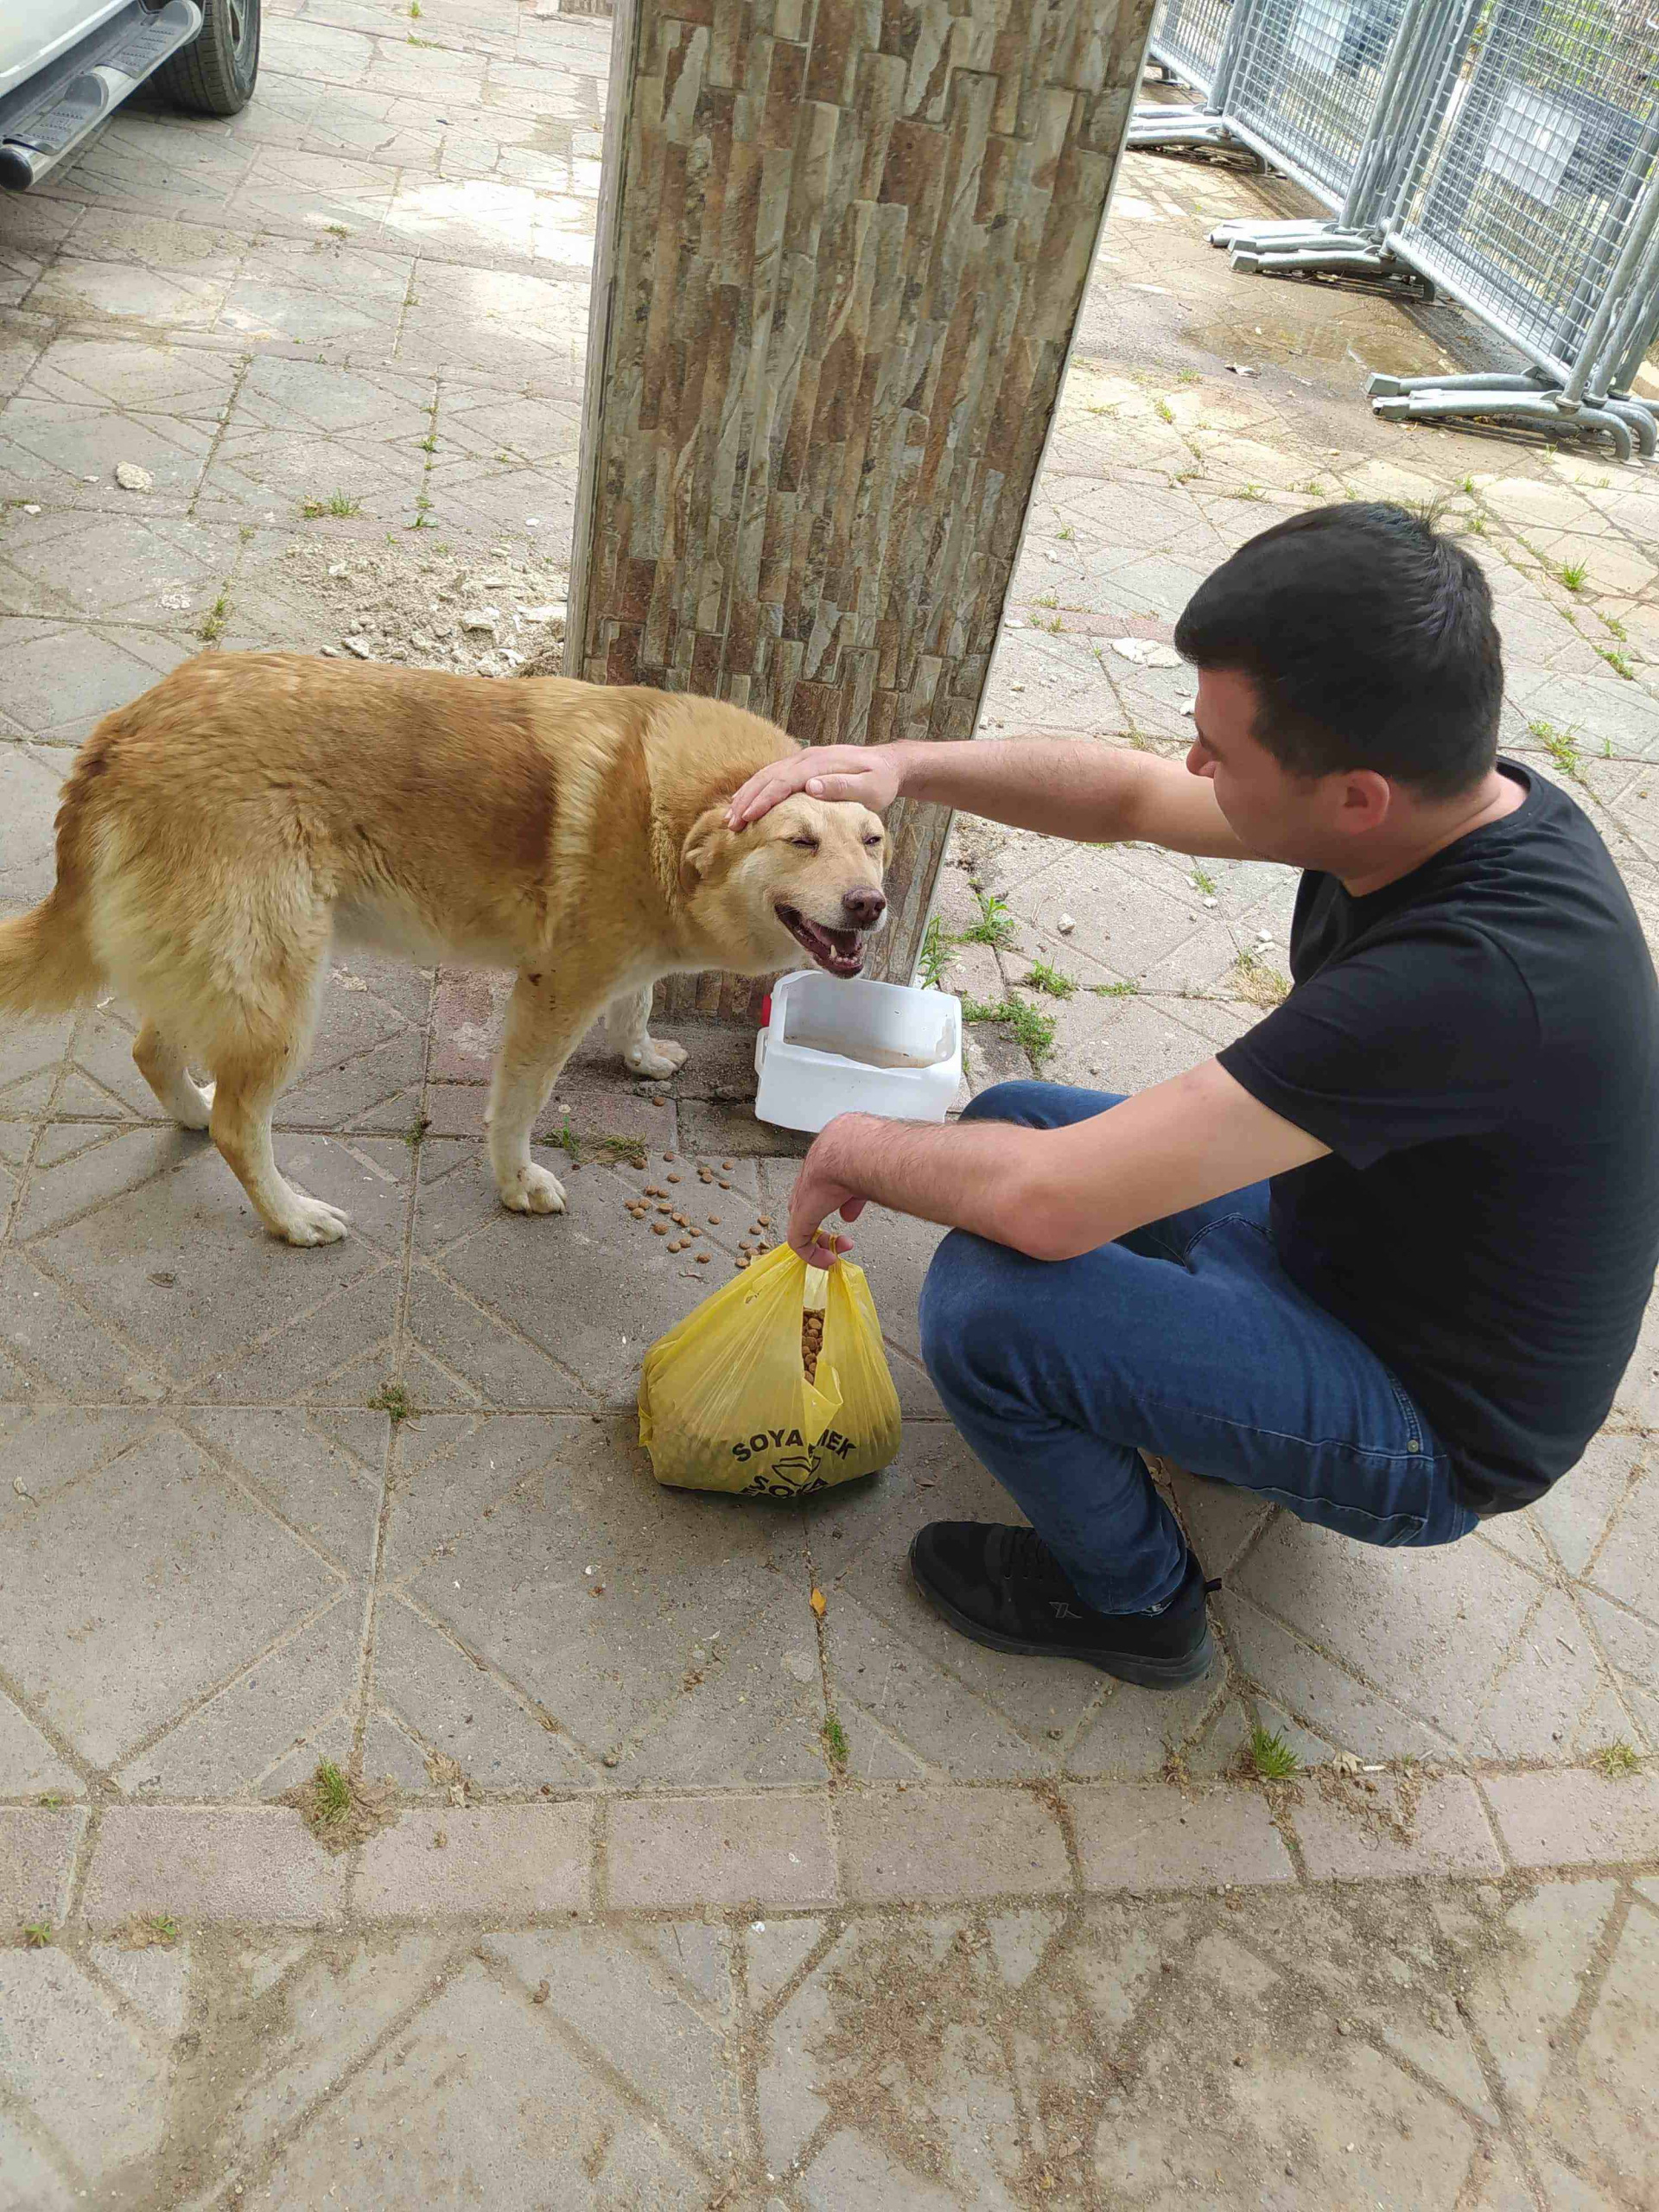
(1258,981)
(1561,745)
(995,925)
(334,1793)
(632,1150)
(1046,977)
(148,1931)
(1271,1756)
(1618,1761)
(340,1808)
(1032,1029)
(937,953)
(341,504)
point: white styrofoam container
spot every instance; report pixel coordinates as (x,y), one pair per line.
(808,1057)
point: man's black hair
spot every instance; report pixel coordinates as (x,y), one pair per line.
(1370,637)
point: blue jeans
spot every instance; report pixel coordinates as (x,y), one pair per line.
(1188,1340)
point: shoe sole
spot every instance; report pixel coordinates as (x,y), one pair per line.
(1145,1674)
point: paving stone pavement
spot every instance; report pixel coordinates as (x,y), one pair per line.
(689,1897)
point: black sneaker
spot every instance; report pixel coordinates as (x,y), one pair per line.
(1005,1588)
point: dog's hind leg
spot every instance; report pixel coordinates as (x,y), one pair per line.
(222,953)
(625,1025)
(546,1015)
(252,1047)
(162,1065)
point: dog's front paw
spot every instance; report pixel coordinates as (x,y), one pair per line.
(311,1222)
(655,1057)
(531,1189)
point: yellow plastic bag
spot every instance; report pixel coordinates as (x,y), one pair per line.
(724,1402)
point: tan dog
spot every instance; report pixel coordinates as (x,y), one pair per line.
(219,833)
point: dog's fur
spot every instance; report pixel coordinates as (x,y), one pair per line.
(218,835)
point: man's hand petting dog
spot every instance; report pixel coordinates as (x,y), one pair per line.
(867,774)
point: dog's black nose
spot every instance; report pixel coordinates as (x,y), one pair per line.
(864,907)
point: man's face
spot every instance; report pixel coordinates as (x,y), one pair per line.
(1280,816)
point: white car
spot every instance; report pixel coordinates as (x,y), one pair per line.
(65,66)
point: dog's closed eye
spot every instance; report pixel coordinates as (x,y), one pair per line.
(805,844)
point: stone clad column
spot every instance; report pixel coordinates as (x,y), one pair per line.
(844,244)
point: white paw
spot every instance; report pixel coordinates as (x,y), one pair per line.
(311,1222)
(194,1106)
(531,1190)
(655,1057)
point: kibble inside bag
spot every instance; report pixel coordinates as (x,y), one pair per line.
(725,1403)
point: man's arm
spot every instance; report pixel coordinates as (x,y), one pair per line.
(1051,1193)
(1082,789)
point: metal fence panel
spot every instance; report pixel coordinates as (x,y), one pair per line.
(1521,198)
(1187,37)
(1304,89)
(1505,150)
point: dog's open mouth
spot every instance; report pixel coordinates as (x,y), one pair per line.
(838,952)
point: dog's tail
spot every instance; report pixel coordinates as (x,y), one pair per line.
(45,964)
(46,961)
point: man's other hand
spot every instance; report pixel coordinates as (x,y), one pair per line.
(820,1191)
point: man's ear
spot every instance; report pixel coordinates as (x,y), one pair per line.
(706,840)
(1367,802)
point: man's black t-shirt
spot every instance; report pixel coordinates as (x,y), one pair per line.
(1478,1044)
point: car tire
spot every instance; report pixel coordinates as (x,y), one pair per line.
(215,74)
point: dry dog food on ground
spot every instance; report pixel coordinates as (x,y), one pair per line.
(659,1228)
(811,1343)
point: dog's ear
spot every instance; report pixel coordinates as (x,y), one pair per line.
(706,839)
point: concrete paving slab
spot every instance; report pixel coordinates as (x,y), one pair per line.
(230,1864)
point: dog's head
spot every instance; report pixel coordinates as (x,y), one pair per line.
(806,876)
